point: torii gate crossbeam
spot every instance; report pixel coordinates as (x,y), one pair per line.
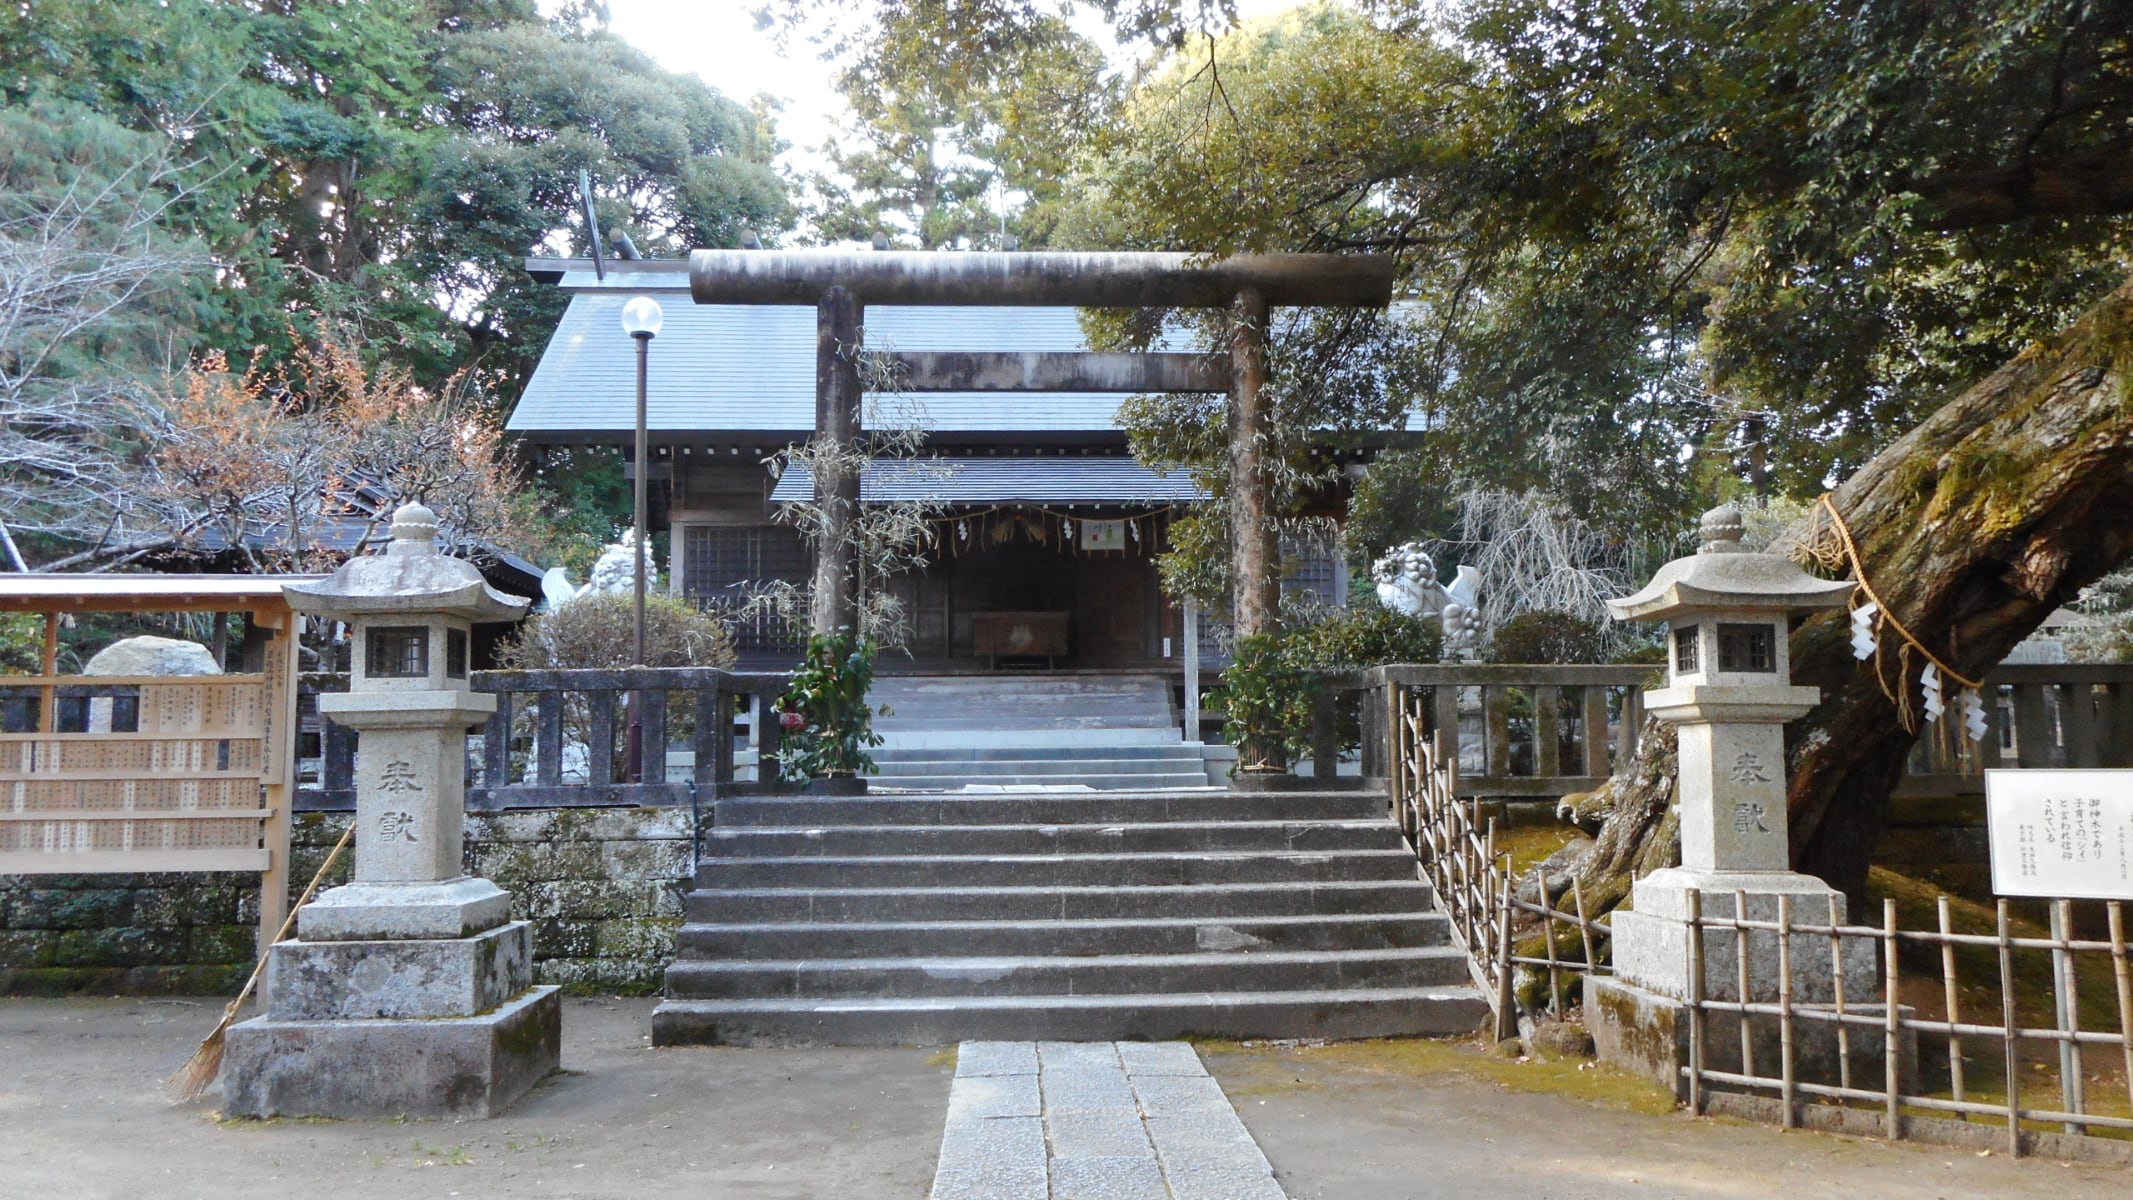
(841,283)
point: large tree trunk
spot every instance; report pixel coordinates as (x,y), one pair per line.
(1973,527)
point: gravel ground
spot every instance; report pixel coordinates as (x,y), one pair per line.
(81,1116)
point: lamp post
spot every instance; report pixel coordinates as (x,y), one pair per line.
(641,319)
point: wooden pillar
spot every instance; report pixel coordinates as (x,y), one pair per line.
(278,704)
(837,429)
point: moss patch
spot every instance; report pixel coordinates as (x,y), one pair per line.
(1274,1068)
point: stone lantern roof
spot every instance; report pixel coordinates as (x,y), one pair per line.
(1721,575)
(411,578)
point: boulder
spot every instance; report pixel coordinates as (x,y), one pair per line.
(153,656)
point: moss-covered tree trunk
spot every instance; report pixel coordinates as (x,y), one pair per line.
(1973,527)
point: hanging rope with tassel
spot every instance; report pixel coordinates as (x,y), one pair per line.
(1830,545)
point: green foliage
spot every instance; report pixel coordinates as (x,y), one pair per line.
(1404,495)
(1656,253)
(1364,635)
(21,643)
(1268,689)
(391,163)
(1268,701)
(1546,636)
(828,695)
(588,501)
(939,157)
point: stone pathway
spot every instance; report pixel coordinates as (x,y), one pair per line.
(1094,1121)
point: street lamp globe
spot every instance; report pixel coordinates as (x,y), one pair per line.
(641,317)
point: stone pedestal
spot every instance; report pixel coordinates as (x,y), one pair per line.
(1651,939)
(440,1067)
(409,991)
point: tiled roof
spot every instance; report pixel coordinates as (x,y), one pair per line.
(1065,479)
(751,369)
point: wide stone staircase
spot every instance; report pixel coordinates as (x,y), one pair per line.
(932,918)
(1095,731)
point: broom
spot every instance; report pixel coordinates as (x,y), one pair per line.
(206,1062)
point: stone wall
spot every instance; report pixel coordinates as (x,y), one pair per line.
(602,887)
(1940,839)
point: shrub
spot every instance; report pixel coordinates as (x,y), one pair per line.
(829,725)
(1353,638)
(595,632)
(1268,702)
(1546,636)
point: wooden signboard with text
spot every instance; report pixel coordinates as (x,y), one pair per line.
(2061,833)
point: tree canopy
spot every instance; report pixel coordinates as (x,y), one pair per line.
(250,182)
(960,158)
(1654,254)
(391,162)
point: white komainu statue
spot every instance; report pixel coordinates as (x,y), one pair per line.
(1407,583)
(614,571)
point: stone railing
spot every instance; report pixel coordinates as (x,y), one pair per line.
(1533,731)
(2038,715)
(559,739)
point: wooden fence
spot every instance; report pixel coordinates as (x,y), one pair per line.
(2007,1060)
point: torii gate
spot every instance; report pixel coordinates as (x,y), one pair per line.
(840,284)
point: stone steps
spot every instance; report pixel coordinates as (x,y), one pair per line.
(1135,838)
(1132,781)
(1111,732)
(892,771)
(1058,808)
(1065,974)
(1241,866)
(1106,902)
(935,918)
(1344,1013)
(1124,935)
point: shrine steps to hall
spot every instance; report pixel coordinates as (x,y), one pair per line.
(929,918)
(1106,731)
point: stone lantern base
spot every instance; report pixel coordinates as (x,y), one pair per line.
(436,1067)
(418,1027)
(1640,1018)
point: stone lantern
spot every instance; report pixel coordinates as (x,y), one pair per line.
(409,989)
(1729,693)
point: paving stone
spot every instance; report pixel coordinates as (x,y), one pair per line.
(1160,1058)
(995,1058)
(1088,1088)
(1080,1128)
(1000,1158)
(1101,1133)
(1166,1095)
(982,1096)
(1108,1178)
(1061,1054)
(1224,1184)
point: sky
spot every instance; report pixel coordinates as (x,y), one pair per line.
(717,40)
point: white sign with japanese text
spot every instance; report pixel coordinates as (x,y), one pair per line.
(2061,833)
(1103,535)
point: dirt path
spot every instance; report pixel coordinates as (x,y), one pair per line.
(80,1116)
(1442,1120)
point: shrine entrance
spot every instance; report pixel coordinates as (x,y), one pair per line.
(1004,593)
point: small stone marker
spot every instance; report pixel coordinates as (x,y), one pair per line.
(408,990)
